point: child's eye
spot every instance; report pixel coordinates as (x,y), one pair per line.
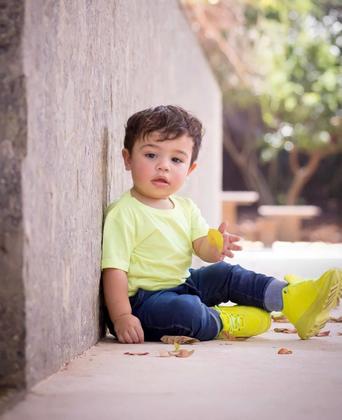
(150,155)
(176,160)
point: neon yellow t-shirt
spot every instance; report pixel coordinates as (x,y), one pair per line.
(154,246)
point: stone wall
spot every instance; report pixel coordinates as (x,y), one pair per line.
(12,151)
(87,66)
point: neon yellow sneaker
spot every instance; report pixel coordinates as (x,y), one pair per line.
(307,303)
(242,321)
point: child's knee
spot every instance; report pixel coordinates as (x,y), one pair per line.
(187,306)
(193,313)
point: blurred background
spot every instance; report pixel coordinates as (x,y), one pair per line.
(278,64)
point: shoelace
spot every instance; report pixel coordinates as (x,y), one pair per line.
(235,321)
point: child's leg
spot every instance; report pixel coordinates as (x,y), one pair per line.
(306,303)
(171,313)
(222,282)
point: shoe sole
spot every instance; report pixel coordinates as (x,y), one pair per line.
(317,315)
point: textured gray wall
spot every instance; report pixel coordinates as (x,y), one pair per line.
(12,150)
(89,65)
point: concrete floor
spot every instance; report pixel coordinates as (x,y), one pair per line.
(221,380)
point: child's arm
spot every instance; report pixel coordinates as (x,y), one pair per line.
(210,253)
(127,326)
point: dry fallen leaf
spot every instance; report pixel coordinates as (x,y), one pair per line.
(283,350)
(177,346)
(227,336)
(281,318)
(333,319)
(285,330)
(181,339)
(339,333)
(164,353)
(323,334)
(129,353)
(183,353)
(179,353)
(215,239)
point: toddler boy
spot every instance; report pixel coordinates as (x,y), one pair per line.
(150,235)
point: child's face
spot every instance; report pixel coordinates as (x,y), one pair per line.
(159,168)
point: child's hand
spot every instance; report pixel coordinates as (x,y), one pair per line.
(128,329)
(229,242)
(217,245)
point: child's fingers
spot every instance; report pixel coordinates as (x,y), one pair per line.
(225,240)
(223,227)
(229,241)
(235,247)
(234,238)
(227,253)
(126,338)
(140,334)
(229,247)
(134,336)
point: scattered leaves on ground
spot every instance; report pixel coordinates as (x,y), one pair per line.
(177,352)
(294,331)
(281,318)
(182,353)
(225,335)
(283,350)
(333,319)
(130,353)
(323,334)
(164,353)
(285,330)
(180,339)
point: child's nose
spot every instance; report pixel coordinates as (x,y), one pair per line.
(163,165)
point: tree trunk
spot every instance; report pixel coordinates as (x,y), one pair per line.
(302,174)
(249,170)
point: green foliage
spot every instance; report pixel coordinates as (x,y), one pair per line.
(278,64)
(298,45)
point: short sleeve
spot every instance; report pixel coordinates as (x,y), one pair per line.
(118,239)
(199,226)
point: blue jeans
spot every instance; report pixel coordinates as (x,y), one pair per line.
(186,309)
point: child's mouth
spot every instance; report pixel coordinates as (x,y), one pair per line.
(160,182)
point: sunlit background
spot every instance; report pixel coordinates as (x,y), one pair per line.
(278,64)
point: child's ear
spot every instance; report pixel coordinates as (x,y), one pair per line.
(193,166)
(127,159)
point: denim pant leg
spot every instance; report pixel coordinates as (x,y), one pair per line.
(222,282)
(176,311)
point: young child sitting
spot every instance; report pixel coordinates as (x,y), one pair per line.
(150,235)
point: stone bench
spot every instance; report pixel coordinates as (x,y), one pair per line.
(283,222)
(232,199)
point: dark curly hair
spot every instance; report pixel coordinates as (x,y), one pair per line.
(170,121)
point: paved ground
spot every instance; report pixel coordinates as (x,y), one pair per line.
(221,380)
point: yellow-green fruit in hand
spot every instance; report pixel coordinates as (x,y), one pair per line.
(215,239)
